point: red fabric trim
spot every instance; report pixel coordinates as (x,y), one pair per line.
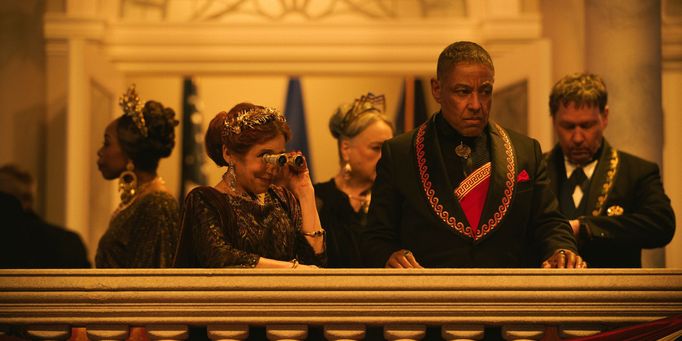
(645,331)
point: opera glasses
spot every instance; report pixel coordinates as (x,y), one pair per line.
(294,160)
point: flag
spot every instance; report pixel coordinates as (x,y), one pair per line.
(192,173)
(295,114)
(412,109)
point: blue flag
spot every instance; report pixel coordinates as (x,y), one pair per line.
(192,173)
(412,109)
(295,114)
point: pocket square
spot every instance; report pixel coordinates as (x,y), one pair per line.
(523,176)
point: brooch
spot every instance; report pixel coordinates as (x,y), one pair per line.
(463,151)
(614,211)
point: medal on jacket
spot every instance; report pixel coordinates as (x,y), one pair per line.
(463,151)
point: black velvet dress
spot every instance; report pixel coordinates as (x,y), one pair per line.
(223,230)
(343,226)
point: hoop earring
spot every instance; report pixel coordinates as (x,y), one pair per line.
(127,183)
(347,169)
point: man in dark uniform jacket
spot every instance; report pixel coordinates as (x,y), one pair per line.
(27,241)
(614,200)
(462,192)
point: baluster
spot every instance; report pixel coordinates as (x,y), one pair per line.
(455,332)
(169,332)
(523,332)
(49,332)
(404,332)
(344,332)
(286,332)
(579,330)
(228,332)
(107,332)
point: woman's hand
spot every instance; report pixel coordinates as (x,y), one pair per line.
(297,179)
(564,259)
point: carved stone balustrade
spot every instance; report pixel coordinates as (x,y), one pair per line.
(340,303)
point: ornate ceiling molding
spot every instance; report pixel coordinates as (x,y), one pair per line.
(397,46)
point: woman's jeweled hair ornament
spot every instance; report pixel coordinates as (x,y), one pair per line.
(132,106)
(249,119)
(365,103)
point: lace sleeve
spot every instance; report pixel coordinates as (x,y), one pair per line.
(304,252)
(205,222)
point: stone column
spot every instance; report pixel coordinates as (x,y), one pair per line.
(564,23)
(623,45)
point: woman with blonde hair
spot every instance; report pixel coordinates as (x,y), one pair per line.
(360,128)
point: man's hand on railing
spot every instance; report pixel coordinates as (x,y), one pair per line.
(564,259)
(402,259)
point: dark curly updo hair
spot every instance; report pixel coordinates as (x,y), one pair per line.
(239,129)
(159,142)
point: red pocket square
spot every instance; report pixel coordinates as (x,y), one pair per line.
(523,176)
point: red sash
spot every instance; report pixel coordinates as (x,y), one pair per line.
(472,193)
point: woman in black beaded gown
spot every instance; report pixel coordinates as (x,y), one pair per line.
(360,128)
(144,229)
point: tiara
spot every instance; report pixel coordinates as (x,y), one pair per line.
(248,119)
(132,106)
(364,104)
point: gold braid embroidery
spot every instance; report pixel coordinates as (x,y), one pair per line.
(444,214)
(606,187)
(473,180)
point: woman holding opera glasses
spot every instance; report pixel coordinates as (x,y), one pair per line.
(262,213)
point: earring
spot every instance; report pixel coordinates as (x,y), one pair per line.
(232,181)
(347,170)
(127,183)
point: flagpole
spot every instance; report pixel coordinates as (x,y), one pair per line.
(409,103)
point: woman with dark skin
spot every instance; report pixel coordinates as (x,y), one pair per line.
(144,229)
(262,213)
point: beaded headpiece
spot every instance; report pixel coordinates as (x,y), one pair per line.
(364,104)
(132,106)
(252,118)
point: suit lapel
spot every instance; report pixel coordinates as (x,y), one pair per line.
(438,173)
(502,178)
(601,180)
(436,187)
(556,171)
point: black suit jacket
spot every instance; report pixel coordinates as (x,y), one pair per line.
(26,241)
(640,212)
(414,207)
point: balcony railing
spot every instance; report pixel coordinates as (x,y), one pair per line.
(344,303)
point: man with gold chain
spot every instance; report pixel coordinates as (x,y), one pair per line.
(460,191)
(615,201)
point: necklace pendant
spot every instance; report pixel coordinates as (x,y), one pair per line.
(463,151)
